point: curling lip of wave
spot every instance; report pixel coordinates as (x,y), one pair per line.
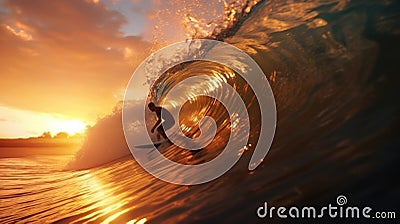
(105,141)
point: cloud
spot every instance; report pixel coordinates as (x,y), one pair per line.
(65,57)
(19,33)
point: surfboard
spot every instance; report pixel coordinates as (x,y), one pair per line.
(150,145)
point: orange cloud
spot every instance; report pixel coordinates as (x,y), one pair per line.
(66,57)
(19,33)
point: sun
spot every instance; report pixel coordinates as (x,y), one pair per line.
(71,127)
(74,126)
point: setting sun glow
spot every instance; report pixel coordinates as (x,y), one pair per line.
(17,123)
(70,126)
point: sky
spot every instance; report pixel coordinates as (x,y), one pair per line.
(66,63)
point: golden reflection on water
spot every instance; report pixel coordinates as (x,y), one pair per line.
(103,197)
(103,200)
(134,221)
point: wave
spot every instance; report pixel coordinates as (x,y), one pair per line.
(105,141)
(317,68)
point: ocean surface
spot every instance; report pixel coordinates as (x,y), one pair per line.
(333,68)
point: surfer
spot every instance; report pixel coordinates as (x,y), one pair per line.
(165,118)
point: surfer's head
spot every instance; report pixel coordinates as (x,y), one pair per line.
(152,106)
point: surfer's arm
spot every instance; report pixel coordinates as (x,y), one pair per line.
(157,123)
